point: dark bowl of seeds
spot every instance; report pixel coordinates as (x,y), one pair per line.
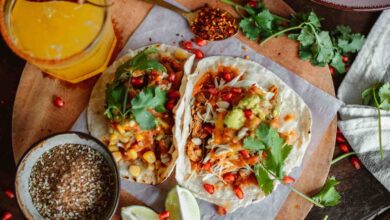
(68,176)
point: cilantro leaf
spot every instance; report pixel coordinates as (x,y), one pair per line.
(253,144)
(337,63)
(149,98)
(266,184)
(347,41)
(306,37)
(328,196)
(384,95)
(249,28)
(323,49)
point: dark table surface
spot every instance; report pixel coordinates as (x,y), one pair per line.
(363,197)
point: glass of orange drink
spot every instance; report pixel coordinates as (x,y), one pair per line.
(70,40)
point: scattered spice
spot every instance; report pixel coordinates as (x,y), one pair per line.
(214,24)
(71,182)
(58,102)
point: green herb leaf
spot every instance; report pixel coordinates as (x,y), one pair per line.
(328,196)
(384,95)
(249,28)
(149,98)
(253,144)
(347,41)
(266,184)
(337,63)
(306,37)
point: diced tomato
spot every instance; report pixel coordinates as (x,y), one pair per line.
(186,45)
(198,53)
(245,154)
(252,160)
(173,94)
(206,166)
(248,113)
(227,96)
(229,177)
(288,179)
(137,81)
(170,105)
(164,215)
(208,128)
(221,210)
(200,42)
(213,91)
(238,191)
(252,4)
(227,77)
(209,188)
(171,77)
(236,90)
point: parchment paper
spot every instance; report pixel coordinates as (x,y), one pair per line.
(164,26)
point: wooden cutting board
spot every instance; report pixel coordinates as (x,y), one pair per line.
(35,117)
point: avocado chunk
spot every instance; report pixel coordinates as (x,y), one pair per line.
(235,119)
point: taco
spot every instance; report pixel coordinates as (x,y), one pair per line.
(132,109)
(243,132)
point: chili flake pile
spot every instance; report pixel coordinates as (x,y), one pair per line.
(71,182)
(214,24)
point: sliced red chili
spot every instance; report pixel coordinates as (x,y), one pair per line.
(288,180)
(248,113)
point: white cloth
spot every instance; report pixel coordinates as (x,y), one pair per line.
(359,124)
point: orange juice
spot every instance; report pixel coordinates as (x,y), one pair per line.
(68,40)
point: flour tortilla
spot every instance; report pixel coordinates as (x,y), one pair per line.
(289,101)
(98,124)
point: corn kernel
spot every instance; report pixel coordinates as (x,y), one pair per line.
(117,156)
(124,139)
(113,148)
(120,129)
(150,166)
(139,137)
(113,138)
(131,154)
(149,156)
(134,170)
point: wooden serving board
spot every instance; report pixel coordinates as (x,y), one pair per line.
(34,115)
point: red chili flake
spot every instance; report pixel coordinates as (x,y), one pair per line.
(245,154)
(344,147)
(229,177)
(227,96)
(7,215)
(171,77)
(137,81)
(340,138)
(186,45)
(221,210)
(170,105)
(200,42)
(198,53)
(227,77)
(239,193)
(345,59)
(164,215)
(173,94)
(9,194)
(248,113)
(252,4)
(236,90)
(58,102)
(214,24)
(332,70)
(356,162)
(209,188)
(288,180)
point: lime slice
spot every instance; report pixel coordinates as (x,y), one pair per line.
(137,212)
(181,204)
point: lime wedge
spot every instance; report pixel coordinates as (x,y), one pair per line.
(137,212)
(182,205)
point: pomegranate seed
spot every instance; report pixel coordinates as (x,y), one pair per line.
(206,166)
(245,154)
(252,4)
(288,180)
(7,216)
(356,162)
(344,147)
(227,77)
(173,94)
(239,193)
(164,215)
(227,96)
(9,194)
(137,81)
(213,91)
(209,188)
(236,90)
(186,45)
(170,105)
(221,210)
(58,102)
(209,128)
(198,53)
(248,113)
(200,42)
(332,70)
(171,77)
(229,177)
(345,59)
(340,138)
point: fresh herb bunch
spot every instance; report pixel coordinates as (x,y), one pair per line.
(117,93)
(267,139)
(320,47)
(378,96)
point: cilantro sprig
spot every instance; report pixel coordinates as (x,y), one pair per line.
(117,92)
(378,96)
(271,169)
(319,47)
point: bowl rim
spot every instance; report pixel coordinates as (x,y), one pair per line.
(82,135)
(352,8)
